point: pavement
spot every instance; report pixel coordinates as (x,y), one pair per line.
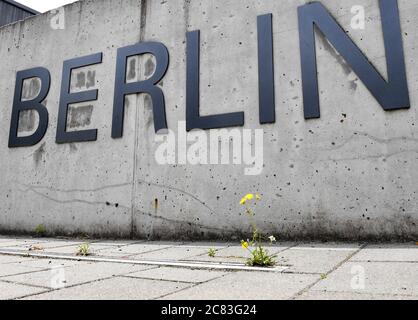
(50,269)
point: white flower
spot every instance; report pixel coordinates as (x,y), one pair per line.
(272,239)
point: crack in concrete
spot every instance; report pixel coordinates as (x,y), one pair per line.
(93,203)
(78,284)
(371,137)
(310,286)
(193,286)
(34,189)
(102,203)
(184,222)
(75,190)
(178,190)
(375,157)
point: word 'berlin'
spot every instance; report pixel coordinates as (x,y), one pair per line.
(391,94)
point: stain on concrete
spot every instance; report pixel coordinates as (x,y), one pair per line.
(73,147)
(79,116)
(91,79)
(81,80)
(353,85)
(149,110)
(131,69)
(149,67)
(39,153)
(328,47)
(27,121)
(85,79)
(148,102)
(31,88)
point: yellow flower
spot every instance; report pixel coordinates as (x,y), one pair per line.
(249,196)
(245,244)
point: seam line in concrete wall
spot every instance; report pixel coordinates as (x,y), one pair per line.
(143,15)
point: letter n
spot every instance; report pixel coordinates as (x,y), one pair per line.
(391,95)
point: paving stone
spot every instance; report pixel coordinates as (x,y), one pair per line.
(239,251)
(11,259)
(312,260)
(399,252)
(218,260)
(43,246)
(171,253)
(118,288)
(395,278)
(117,243)
(81,273)
(178,274)
(248,286)
(324,295)
(337,246)
(209,244)
(10,291)
(235,254)
(45,263)
(9,269)
(72,250)
(17,243)
(133,249)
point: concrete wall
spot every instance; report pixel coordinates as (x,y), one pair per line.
(351,174)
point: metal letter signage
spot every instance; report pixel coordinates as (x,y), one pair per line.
(68,98)
(147,86)
(35,104)
(266,69)
(391,95)
(193,118)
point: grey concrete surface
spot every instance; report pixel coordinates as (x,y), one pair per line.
(351,174)
(313,271)
(115,288)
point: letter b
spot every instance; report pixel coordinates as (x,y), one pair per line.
(35,104)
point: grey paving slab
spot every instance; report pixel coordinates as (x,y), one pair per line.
(238,251)
(58,244)
(44,245)
(11,259)
(209,244)
(391,252)
(236,254)
(134,249)
(17,243)
(179,274)
(73,249)
(395,278)
(8,269)
(45,263)
(248,286)
(323,295)
(312,260)
(171,253)
(75,275)
(337,246)
(222,260)
(10,291)
(118,288)
(117,243)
